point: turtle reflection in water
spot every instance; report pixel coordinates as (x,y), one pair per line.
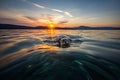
(63,41)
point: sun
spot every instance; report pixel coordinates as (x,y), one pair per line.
(51,25)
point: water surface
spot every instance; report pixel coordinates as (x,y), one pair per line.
(25,56)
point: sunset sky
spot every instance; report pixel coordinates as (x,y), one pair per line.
(62,13)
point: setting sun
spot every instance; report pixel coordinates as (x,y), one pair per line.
(51,25)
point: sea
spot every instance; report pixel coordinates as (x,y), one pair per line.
(24,55)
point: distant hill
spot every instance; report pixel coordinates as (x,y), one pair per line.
(92,28)
(11,26)
(97,28)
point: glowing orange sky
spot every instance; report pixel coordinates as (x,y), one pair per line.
(61,13)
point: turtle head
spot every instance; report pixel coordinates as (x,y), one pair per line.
(64,42)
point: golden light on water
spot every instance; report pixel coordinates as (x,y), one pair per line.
(51,33)
(51,29)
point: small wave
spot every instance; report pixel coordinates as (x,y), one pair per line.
(21,45)
(74,65)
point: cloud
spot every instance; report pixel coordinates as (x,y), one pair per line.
(63,22)
(43,7)
(12,21)
(47,18)
(35,4)
(60,11)
(57,10)
(68,14)
(30,18)
(8,20)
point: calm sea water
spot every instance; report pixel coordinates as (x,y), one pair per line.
(25,56)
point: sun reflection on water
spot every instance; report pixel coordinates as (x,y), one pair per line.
(45,47)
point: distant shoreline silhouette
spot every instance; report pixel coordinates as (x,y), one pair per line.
(12,26)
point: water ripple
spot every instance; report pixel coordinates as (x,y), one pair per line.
(25,56)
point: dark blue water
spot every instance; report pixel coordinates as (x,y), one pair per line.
(25,56)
